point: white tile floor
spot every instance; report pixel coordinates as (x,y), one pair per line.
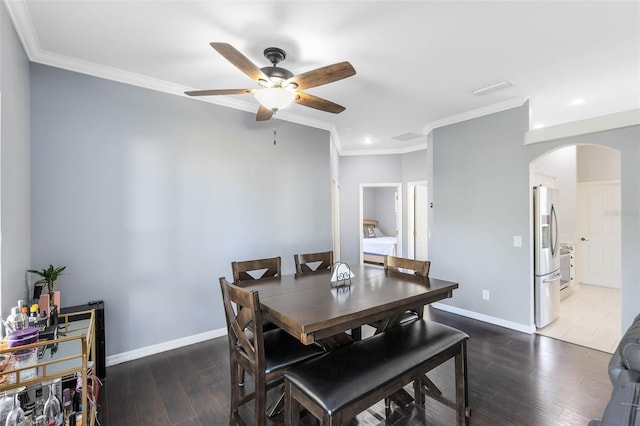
(589,316)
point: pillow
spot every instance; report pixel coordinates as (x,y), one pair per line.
(368,232)
(378,233)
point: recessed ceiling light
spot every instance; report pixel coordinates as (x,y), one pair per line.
(368,140)
(504,84)
(577,101)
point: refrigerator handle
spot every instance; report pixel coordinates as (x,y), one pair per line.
(554,230)
(553,278)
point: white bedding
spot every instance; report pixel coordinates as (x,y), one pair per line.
(380,245)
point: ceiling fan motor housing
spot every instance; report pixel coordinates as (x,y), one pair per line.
(276,74)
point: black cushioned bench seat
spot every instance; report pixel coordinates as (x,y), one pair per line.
(338,385)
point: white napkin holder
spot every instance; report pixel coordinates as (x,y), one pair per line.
(341,274)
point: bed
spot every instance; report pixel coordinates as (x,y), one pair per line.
(376,245)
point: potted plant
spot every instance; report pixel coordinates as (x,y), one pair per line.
(49,277)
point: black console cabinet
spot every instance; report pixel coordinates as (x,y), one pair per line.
(99,335)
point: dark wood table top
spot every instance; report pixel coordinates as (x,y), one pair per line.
(310,308)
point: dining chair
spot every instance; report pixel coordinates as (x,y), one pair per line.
(256,269)
(313,262)
(407,266)
(401,265)
(263,355)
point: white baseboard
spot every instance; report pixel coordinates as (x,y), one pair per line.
(164,346)
(197,338)
(530,329)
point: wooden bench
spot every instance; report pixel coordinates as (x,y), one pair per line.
(335,387)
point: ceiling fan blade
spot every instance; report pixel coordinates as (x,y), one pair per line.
(318,103)
(264,113)
(323,75)
(241,62)
(218,92)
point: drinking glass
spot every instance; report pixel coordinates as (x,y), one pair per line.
(5,406)
(16,415)
(52,407)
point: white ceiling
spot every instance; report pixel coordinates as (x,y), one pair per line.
(417,62)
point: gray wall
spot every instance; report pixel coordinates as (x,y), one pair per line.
(356,170)
(481,200)
(378,203)
(368,202)
(372,169)
(385,210)
(14,166)
(148,197)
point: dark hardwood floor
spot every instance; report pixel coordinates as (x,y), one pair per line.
(514,379)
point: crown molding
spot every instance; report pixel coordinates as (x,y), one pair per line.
(581,127)
(429,127)
(476,113)
(412,148)
(21,18)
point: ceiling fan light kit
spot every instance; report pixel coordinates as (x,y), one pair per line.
(279,87)
(275,98)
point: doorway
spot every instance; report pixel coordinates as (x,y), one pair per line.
(417,220)
(588,179)
(381,202)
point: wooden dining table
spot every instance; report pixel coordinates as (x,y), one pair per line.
(312,308)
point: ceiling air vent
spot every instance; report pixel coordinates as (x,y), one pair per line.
(500,85)
(407,137)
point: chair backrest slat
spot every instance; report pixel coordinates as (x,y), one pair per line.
(304,262)
(272,268)
(398,264)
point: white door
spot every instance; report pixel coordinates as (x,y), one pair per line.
(598,249)
(420,218)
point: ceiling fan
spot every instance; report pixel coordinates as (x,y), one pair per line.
(278,86)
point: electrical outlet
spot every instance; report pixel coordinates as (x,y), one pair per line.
(485,294)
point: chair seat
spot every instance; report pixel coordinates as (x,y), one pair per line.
(338,378)
(282,350)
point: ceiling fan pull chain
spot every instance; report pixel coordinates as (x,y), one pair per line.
(274,136)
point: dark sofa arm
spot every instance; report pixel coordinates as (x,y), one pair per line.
(627,354)
(623,408)
(629,347)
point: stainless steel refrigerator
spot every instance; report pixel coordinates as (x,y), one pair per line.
(546,254)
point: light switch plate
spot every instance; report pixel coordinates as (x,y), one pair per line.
(517,241)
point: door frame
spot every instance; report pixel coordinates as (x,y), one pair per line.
(411,216)
(398,187)
(335,218)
